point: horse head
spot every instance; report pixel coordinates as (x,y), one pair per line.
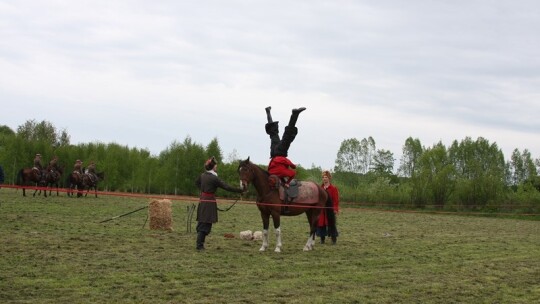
(246,173)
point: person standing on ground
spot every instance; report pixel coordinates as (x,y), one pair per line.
(323,228)
(207,212)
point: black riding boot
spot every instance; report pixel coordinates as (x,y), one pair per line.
(322,239)
(200,240)
(268,115)
(294,116)
(272,129)
(282,149)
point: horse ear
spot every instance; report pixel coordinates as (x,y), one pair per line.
(248,158)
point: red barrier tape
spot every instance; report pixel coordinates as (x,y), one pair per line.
(173,198)
(221,201)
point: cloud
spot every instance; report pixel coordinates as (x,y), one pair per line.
(145,74)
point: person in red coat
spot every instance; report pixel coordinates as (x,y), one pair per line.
(323,228)
(282,167)
(279,164)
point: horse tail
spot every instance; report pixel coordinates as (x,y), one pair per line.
(330,216)
(19,181)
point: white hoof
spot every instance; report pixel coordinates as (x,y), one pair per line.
(308,248)
(278,250)
(262,249)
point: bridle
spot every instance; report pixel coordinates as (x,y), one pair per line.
(244,182)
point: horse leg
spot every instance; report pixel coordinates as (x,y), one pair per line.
(276,219)
(266,222)
(312,220)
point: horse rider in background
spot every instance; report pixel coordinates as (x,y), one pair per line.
(37,164)
(52,168)
(91,171)
(77,168)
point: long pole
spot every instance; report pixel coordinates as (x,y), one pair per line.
(115,217)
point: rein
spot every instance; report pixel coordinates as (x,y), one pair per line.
(228,208)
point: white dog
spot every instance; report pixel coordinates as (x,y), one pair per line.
(246,235)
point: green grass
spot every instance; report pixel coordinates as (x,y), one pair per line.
(54,250)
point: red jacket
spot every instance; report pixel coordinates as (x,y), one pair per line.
(281,166)
(334,195)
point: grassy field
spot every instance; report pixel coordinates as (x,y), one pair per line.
(54,250)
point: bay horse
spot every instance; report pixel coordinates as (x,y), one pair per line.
(312,200)
(52,178)
(90,181)
(30,177)
(74,181)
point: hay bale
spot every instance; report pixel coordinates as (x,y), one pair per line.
(160,213)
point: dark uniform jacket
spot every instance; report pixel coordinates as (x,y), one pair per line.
(208,183)
(37,163)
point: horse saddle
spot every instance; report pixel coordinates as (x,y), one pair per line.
(292,191)
(92,177)
(301,193)
(286,194)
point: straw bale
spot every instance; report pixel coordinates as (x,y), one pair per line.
(160,213)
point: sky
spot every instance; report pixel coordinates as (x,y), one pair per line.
(148,73)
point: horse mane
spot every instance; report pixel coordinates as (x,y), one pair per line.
(251,164)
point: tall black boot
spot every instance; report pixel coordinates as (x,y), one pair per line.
(272,129)
(200,240)
(268,115)
(294,116)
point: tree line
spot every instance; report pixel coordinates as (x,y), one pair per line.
(469,174)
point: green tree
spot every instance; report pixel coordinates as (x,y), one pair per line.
(355,156)
(521,166)
(412,150)
(383,162)
(213,149)
(480,172)
(349,156)
(367,153)
(433,179)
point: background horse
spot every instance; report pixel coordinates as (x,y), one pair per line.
(90,181)
(30,176)
(52,178)
(270,203)
(74,181)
